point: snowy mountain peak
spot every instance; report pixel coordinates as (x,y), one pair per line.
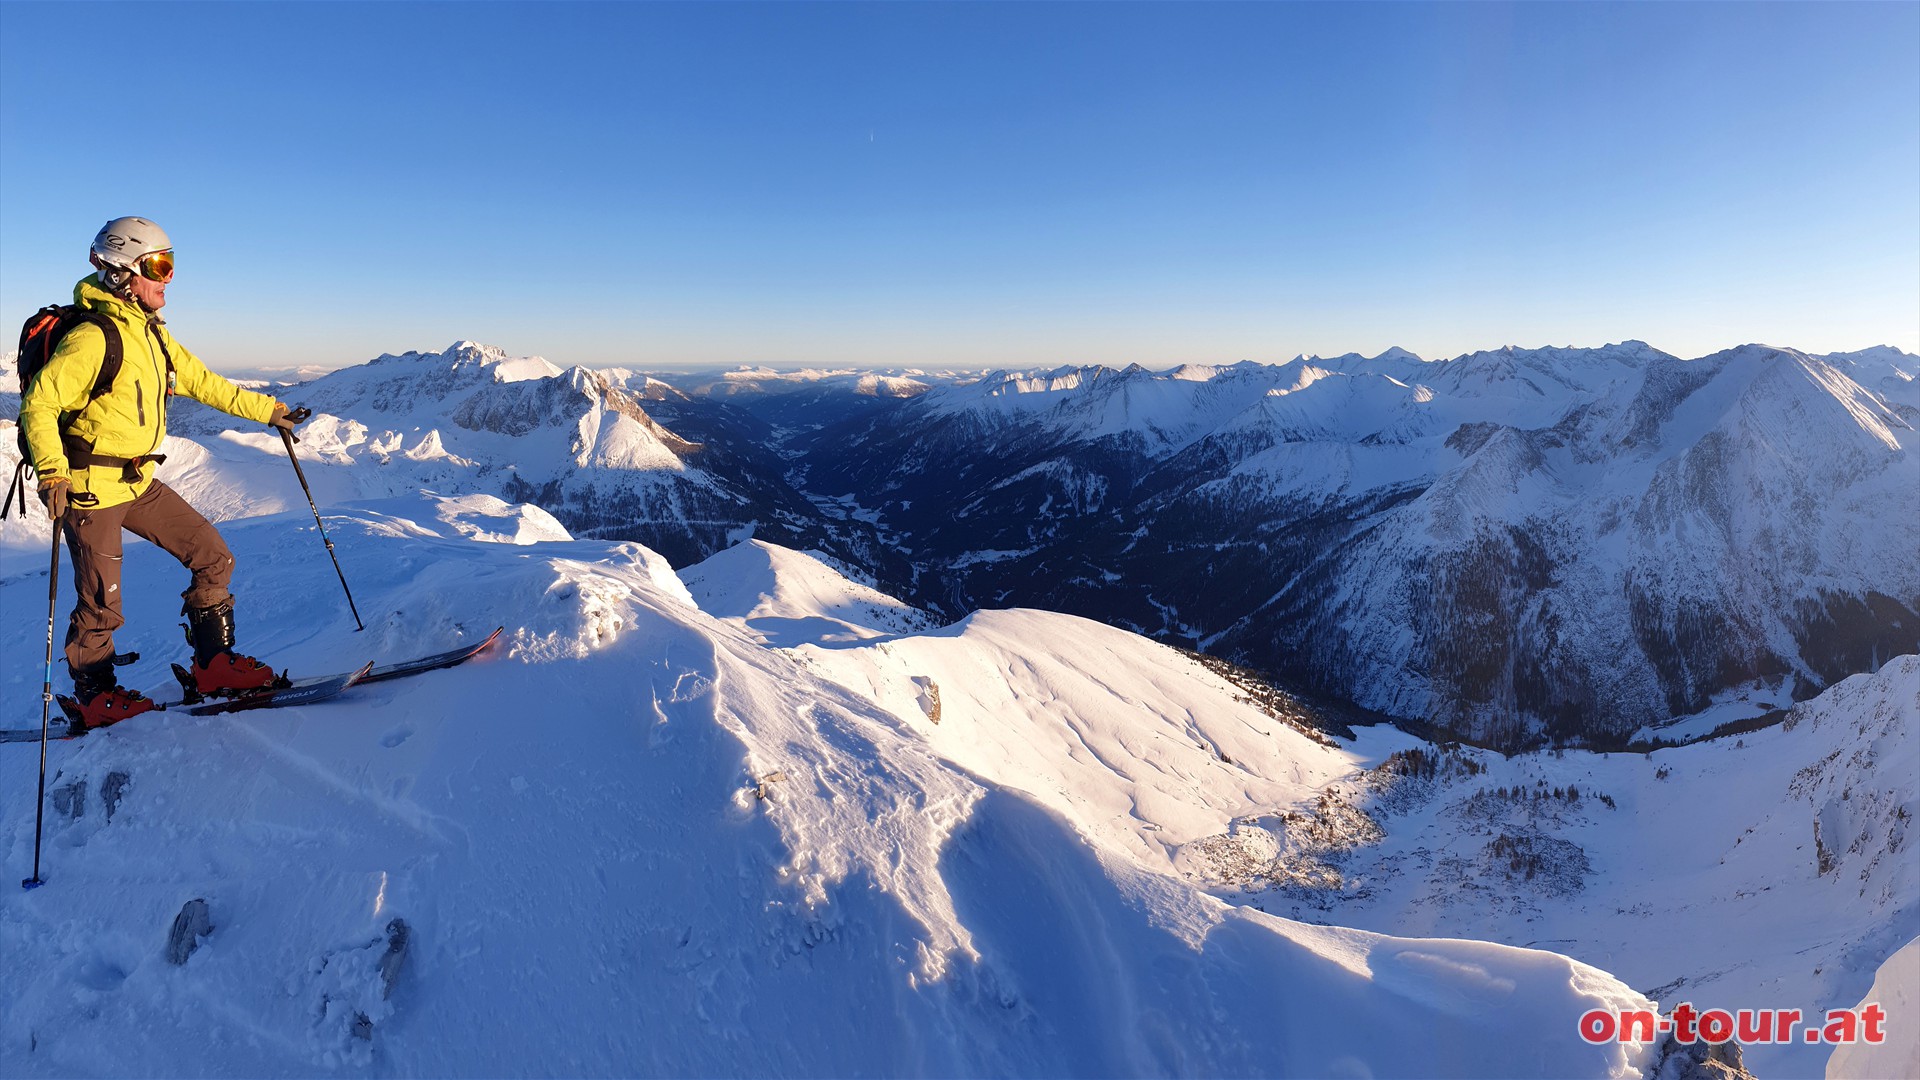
(1047,382)
(1878,354)
(465,357)
(1783,384)
(1209,372)
(464,349)
(1888,372)
(1397,354)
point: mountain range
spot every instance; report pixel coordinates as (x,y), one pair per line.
(1517,545)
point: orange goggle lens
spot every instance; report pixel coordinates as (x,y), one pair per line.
(156,266)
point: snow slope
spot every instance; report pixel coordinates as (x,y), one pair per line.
(637,841)
(1896,989)
(787,597)
(1774,869)
(1770,870)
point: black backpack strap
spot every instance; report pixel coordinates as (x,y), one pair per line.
(80,455)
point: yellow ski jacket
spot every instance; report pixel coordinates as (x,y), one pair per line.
(130,419)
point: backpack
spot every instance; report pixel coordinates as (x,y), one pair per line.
(38,339)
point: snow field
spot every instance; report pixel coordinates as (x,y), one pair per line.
(1770,871)
(634,840)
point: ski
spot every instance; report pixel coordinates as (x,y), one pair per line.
(305,694)
(299,692)
(446,659)
(57,729)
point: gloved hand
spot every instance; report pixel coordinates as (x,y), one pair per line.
(284,419)
(53,492)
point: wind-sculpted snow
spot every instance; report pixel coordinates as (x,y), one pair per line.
(1766,870)
(789,598)
(1896,988)
(635,840)
(1772,869)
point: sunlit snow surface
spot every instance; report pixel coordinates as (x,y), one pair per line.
(575,829)
(1896,989)
(1773,870)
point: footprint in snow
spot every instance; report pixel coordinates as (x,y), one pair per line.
(100,974)
(355,986)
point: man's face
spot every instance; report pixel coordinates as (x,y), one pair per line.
(151,294)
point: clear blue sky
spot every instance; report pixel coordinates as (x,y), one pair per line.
(981,185)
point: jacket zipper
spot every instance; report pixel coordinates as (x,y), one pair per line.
(140,399)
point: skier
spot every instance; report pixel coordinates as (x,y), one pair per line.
(95,458)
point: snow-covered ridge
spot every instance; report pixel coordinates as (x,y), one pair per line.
(462,355)
(1169,410)
(1896,989)
(637,809)
(749,382)
(788,598)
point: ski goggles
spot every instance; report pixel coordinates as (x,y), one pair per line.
(156,265)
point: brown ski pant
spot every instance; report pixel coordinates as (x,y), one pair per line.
(160,515)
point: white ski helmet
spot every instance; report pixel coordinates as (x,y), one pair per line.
(124,241)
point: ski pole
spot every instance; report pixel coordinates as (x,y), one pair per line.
(46,704)
(286,436)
